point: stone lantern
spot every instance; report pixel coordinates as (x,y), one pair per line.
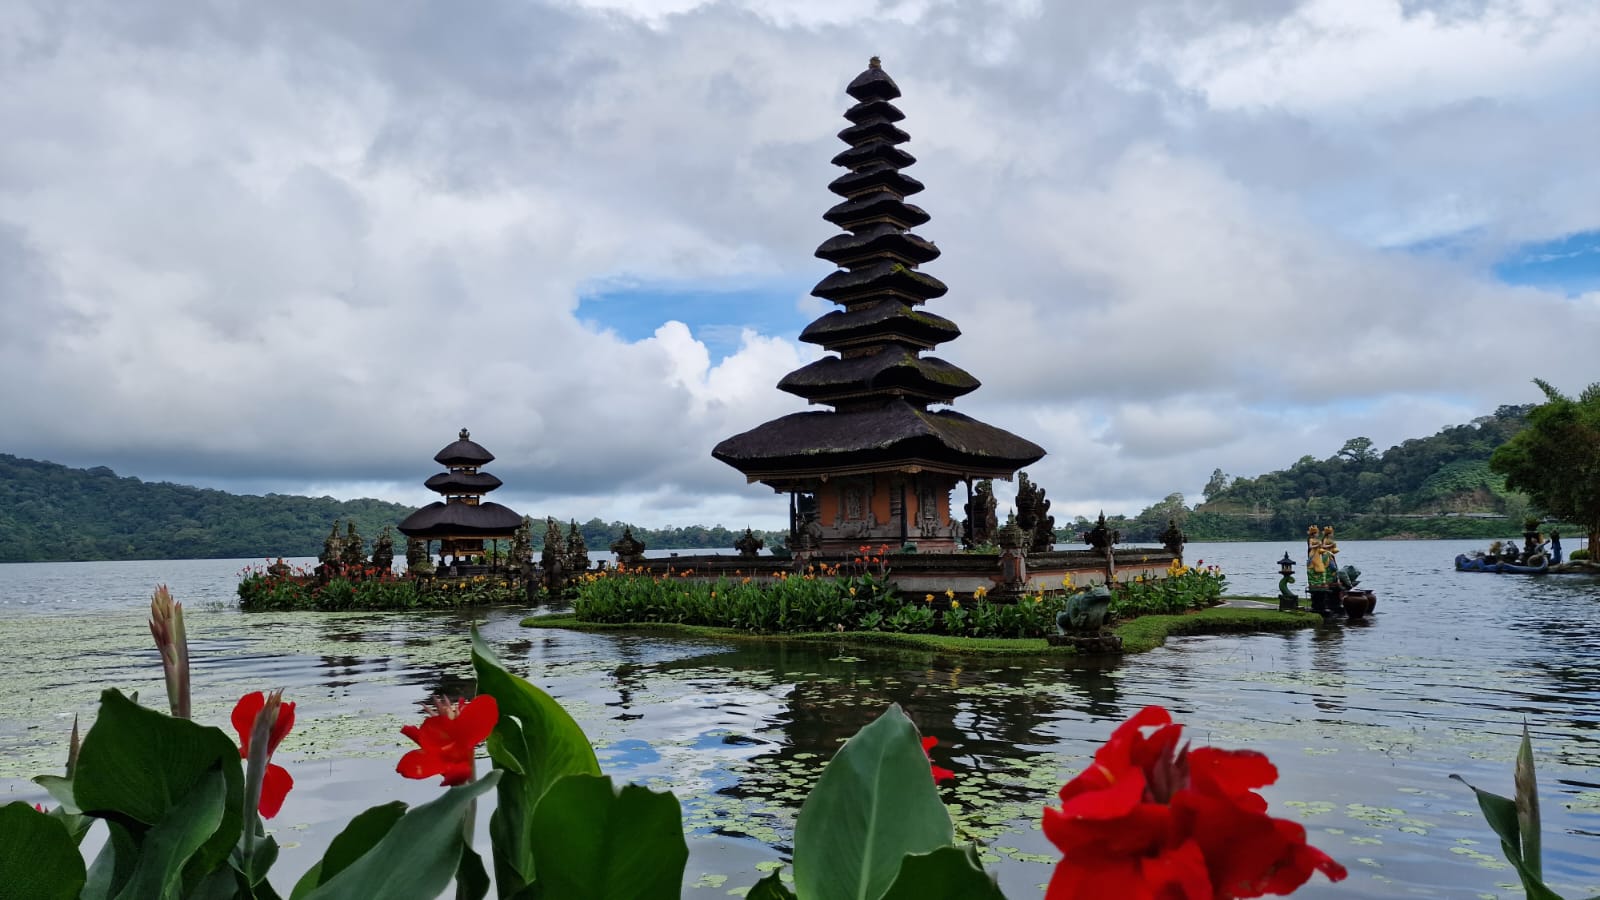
(1288,601)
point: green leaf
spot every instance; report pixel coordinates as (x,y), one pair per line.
(875,803)
(60,790)
(113,864)
(39,860)
(1501,814)
(592,842)
(948,873)
(770,888)
(361,835)
(417,857)
(138,765)
(472,879)
(1527,803)
(535,743)
(167,847)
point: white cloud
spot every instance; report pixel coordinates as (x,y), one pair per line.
(274,246)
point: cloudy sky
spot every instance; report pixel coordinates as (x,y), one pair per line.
(295,246)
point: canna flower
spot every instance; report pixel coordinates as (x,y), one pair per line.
(1152,819)
(447,741)
(949,593)
(248,723)
(979,593)
(928,598)
(955,604)
(940,773)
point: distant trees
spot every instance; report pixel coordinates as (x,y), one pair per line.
(1555,459)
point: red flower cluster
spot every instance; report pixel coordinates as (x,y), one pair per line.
(1150,820)
(277,782)
(447,741)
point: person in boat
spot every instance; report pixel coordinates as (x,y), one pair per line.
(1555,548)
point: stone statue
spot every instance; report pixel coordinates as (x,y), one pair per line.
(1173,539)
(279,569)
(1082,625)
(383,550)
(577,551)
(629,549)
(982,521)
(1086,611)
(332,547)
(553,559)
(521,551)
(417,560)
(1033,515)
(1287,599)
(354,552)
(748,544)
(1104,538)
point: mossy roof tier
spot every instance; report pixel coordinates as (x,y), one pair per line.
(463,452)
(462,483)
(876,206)
(889,320)
(873,177)
(894,437)
(894,370)
(881,278)
(876,242)
(441,520)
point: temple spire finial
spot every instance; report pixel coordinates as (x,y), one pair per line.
(465,434)
(874,63)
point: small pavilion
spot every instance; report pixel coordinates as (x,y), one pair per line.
(880,465)
(463,520)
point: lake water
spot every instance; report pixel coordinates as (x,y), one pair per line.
(1365,722)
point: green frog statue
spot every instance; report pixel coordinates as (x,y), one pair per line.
(1082,625)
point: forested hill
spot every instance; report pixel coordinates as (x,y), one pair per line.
(49,512)
(1445,475)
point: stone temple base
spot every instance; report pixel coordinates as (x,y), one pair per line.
(1087,643)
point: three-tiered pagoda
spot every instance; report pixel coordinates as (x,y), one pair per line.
(879,466)
(463,520)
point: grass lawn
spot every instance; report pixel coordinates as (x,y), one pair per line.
(1138,635)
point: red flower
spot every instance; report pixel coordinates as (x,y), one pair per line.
(448,739)
(940,773)
(1151,819)
(277,782)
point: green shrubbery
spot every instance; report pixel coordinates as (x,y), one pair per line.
(371,589)
(837,599)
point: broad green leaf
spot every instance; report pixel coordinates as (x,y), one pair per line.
(168,845)
(60,790)
(417,857)
(948,873)
(138,764)
(112,866)
(361,835)
(593,842)
(551,741)
(1501,814)
(472,879)
(536,743)
(39,860)
(875,803)
(1527,802)
(770,888)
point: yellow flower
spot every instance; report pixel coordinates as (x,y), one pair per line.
(955,604)
(1039,599)
(980,593)
(928,599)
(1067,581)
(852,592)
(950,594)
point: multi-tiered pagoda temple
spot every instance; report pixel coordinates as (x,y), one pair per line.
(879,467)
(463,520)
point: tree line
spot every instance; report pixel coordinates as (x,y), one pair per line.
(53,513)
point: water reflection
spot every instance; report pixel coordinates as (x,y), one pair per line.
(1363,722)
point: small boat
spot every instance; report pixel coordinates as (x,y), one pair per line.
(1465,563)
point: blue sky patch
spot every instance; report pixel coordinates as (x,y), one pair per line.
(1571,264)
(716,314)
